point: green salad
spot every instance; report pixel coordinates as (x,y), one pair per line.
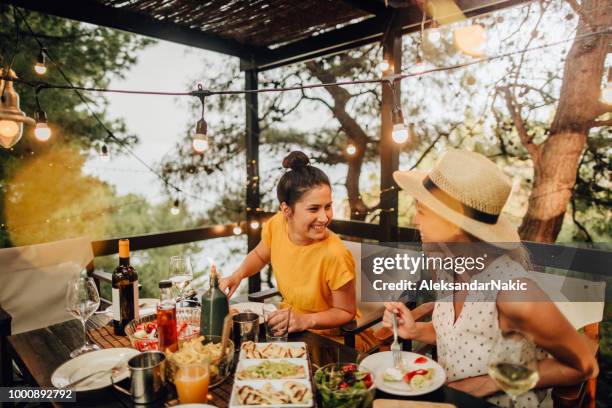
(344,386)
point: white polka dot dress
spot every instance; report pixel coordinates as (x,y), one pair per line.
(464,345)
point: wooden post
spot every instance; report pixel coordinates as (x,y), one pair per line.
(253,201)
(389,150)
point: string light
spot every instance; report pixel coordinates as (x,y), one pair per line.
(237,230)
(12,118)
(104,153)
(175,210)
(606,92)
(40,68)
(470,40)
(200,142)
(351,149)
(384,65)
(42,130)
(254,225)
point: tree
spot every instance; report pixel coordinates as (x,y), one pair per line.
(90,56)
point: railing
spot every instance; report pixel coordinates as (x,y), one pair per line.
(586,260)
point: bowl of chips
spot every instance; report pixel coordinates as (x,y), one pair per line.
(200,349)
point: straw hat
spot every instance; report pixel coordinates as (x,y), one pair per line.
(471,181)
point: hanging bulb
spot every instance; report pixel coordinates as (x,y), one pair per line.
(237,230)
(42,130)
(104,153)
(200,141)
(470,40)
(400,131)
(254,225)
(12,118)
(384,65)
(40,68)
(433,35)
(606,92)
(351,149)
(175,210)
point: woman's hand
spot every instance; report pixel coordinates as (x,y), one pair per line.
(300,322)
(230,284)
(480,386)
(406,326)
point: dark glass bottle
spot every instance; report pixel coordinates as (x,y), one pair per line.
(125,290)
(166,318)
(215,307)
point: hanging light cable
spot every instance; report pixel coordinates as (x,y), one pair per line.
(12,118)
(40,68)
(201,142)
(400,132)
(42,130)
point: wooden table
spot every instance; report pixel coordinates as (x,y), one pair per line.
(38,353)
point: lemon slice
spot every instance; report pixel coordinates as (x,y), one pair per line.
(470,40)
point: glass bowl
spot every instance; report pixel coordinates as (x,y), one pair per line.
(187,322)
(329,379)
(219,368)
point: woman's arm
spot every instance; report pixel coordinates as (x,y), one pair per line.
(342,311)
(574,359)
(254,261)
(407,327)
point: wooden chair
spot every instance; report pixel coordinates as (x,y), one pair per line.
(33,283)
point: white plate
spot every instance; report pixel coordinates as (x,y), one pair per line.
(242,364)
(292,344)
(277,385)
(89,363)
(255,307)
(194,406)
(377,363)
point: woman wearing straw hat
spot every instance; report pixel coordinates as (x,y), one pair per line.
(460,201)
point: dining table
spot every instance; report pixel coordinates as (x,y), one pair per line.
(40,352)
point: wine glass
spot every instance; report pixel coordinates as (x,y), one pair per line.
(513,364)
(181,274)
(82,300)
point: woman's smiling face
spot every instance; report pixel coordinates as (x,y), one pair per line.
(310,216)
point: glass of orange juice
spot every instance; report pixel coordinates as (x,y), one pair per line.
(191,381)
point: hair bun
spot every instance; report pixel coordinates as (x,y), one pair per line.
(296,160)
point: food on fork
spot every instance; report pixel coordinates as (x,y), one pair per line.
(272,350)
(272,370)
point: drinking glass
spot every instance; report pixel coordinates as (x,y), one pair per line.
(245,328)
(276,319)
(181,274)
(513,364)
(82,300)
(191,381)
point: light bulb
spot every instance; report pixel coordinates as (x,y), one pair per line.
(384,65)
(237,230)
(200,143)
(42,132)
(400,133)
(351,149)
(254,225)
(12,118)
(175,210)
(104,153)
(434,35)
(8,128)
(470,40)
(40,69)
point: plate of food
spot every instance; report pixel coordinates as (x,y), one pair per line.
(344,385)
(417,374)
(252,350)
(99,361)
(264,393)
(272,369)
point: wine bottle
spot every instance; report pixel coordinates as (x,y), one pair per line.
(125,290)
(166,318)
(215,307)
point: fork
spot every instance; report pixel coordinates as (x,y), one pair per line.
(395,346)
(81,380)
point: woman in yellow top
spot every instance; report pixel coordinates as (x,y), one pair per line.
(314,271)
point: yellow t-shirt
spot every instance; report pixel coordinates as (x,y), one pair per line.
(306,275)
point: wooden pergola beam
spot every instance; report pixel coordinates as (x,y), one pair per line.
(89,11)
